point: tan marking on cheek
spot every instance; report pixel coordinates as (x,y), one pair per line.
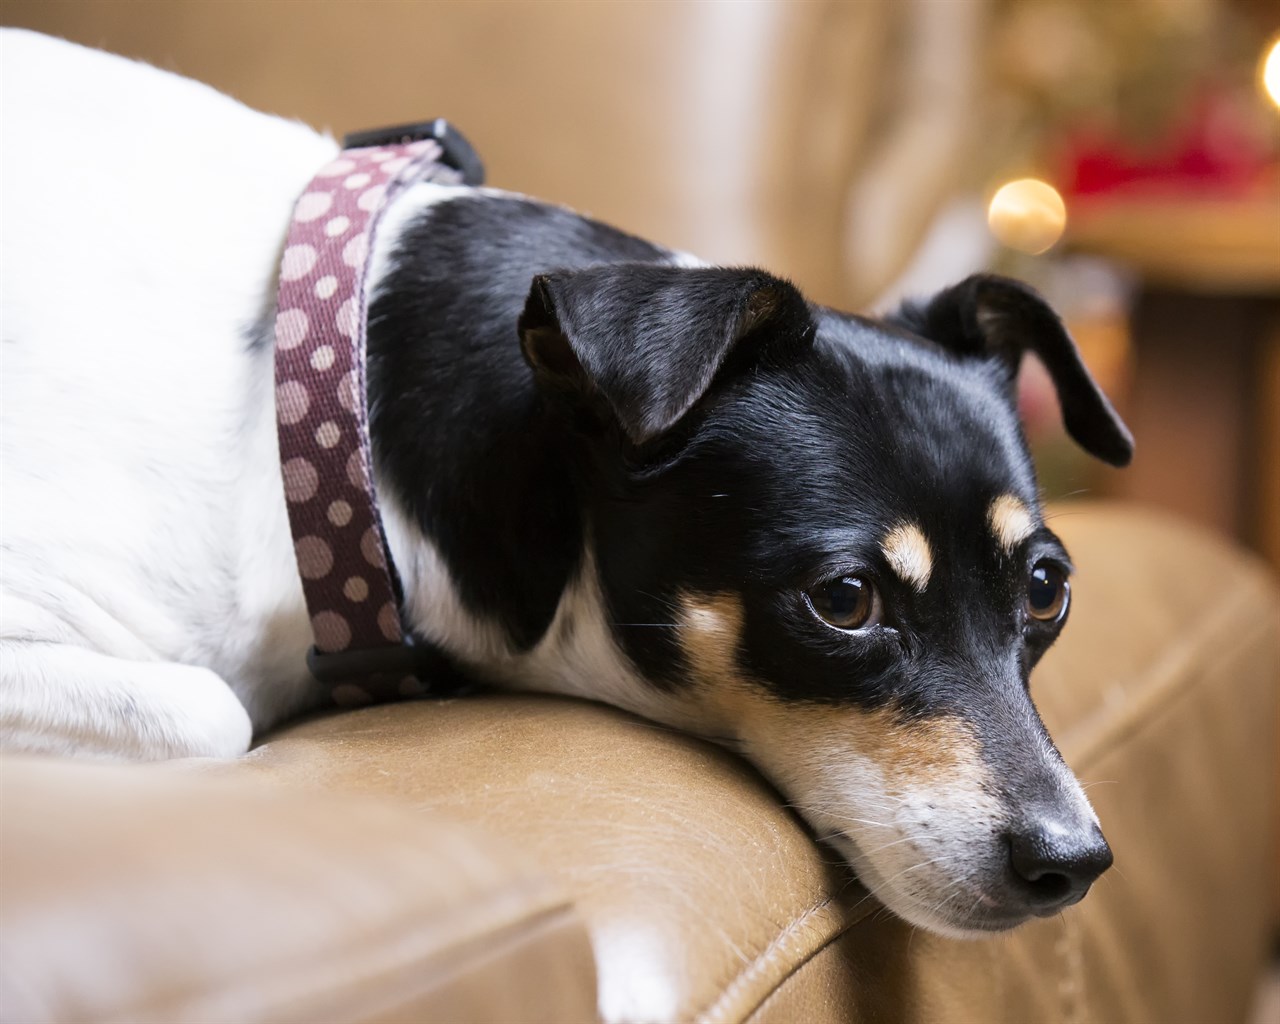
(722,701)
(800,744)
(909,555)
(710,626)
(940,752)
(1011,522)
(930,752)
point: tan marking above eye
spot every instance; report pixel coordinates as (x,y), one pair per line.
(908,553)
(1011,522)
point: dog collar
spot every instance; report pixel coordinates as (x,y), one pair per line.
(353,595)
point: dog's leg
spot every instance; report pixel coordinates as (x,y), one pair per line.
(61,699)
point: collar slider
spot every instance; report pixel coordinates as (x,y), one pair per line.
(456,151)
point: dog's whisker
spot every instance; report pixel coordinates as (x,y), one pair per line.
(914,840)
(915,867)
(1119,872)
(862,821)
(828,811)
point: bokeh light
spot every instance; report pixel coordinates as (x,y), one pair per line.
(1271,72)
(1028,215)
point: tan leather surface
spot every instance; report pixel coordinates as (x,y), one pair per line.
(706,900)
(841,982)
(605,107)
(142,894)
(697,885)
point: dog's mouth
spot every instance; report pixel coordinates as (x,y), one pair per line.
(974,889)
(959,908)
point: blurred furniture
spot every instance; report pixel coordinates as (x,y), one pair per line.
(450,861)
(1205,392)
(816,139)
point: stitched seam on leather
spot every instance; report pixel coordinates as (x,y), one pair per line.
(1173,675)
(766,973)
(1069,952)
(279,984)
(749,1013)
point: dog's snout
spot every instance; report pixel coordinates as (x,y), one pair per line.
(1056,863)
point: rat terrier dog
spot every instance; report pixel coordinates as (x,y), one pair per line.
(604,470)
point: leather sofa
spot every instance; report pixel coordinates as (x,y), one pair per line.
(502,858)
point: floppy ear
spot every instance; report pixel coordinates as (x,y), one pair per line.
(990,316)
(649,339)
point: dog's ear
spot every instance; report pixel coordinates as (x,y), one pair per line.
(650,339)
(996,317)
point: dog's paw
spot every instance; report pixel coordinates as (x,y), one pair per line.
(68,701)
(212,721)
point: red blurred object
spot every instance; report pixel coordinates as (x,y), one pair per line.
(1215,150)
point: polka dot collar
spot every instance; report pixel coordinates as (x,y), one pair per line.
(353,596)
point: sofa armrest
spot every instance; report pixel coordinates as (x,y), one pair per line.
(139,893)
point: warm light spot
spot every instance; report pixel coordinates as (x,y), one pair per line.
(1271,72)
(1028,215)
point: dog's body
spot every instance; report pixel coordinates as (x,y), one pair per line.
(681,490)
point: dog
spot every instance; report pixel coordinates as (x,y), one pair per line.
(604,468)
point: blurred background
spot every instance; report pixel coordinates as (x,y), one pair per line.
(1122,156)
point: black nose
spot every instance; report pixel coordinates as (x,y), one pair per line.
(1057,864)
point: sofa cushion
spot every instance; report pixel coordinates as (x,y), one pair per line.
(136,893)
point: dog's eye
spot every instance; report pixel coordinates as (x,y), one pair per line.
(1047,592)
(849,602)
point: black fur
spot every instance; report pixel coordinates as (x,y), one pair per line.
(479,459)
(608,331)
(999,317)
(713,433)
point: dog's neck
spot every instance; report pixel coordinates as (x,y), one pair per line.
(550,633)
(485,500)
(481,505)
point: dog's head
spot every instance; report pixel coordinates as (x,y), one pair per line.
(819,537)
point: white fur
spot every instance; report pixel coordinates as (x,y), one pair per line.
(149,600)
